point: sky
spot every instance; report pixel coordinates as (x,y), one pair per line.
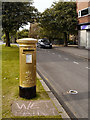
(41,5)
(25,27)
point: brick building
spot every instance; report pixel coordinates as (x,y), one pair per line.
(83,10)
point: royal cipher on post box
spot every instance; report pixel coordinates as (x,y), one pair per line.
(27,58)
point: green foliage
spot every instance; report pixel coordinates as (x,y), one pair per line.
(66,16)
(59,21)
(3,38)
(48,24)
(12,37)
(15,15)
(22,34)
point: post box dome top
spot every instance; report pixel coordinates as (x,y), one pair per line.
(27,40)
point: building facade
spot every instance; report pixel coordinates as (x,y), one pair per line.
(83,10)
(33,31)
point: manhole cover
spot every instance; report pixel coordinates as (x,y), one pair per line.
(72,92)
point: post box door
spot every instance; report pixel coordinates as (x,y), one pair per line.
(28,68)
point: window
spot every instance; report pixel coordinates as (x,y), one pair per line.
(89,10)
(79,13)
(84,12)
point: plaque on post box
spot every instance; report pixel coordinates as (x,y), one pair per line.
(28,58)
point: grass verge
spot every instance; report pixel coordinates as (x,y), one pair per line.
(10,82)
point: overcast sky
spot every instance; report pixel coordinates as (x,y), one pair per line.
(41,5)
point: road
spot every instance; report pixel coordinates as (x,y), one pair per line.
(65,72)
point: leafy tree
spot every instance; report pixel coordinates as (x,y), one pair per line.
(60,20)
(15,15)
(48,24)
(23,34)
(66,18)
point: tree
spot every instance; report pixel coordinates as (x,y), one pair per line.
(60,20)
(66,18)
(15,15)
(23,34)
(49,25)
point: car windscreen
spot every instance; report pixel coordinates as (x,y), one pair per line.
(45,41)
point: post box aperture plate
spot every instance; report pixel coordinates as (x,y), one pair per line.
(28,58)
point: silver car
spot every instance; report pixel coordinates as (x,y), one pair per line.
(44,43)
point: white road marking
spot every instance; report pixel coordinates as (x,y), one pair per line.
(66,58)
(75,54)
(53,53)
(76,62)
(87,67)
(59,55)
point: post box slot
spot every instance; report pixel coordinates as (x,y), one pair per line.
(27,50)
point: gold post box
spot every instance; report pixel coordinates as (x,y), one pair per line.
(27,58)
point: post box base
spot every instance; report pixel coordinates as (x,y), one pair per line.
(27,92)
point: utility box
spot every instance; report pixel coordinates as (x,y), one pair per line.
(27,56)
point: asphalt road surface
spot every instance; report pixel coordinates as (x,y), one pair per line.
(65,72)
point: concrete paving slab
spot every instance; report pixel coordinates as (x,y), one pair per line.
(34,108)
(45,86)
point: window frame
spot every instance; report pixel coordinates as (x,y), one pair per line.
(79,12)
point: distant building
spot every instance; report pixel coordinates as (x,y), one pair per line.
(83,10)
(33,31)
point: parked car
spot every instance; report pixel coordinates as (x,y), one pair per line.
(44,43)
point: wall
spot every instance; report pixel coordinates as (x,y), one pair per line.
(88,40)
(82,38)
(80,6)
(84,19)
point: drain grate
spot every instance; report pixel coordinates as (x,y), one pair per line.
(72,92)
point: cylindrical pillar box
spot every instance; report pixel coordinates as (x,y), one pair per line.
(27,55)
